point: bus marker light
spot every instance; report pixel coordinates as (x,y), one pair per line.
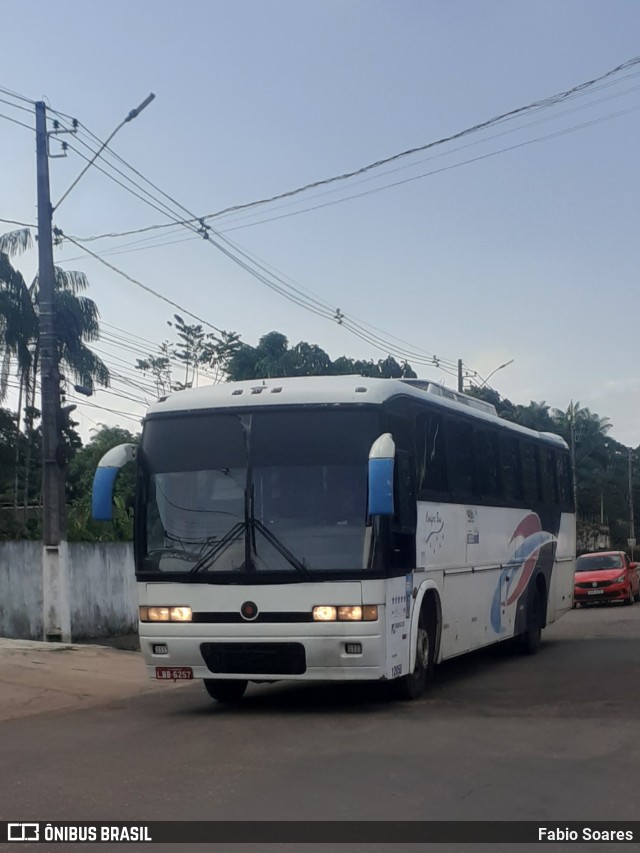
(353,648)
(160,649)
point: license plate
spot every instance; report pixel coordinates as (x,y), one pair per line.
(595,592)
(174,673)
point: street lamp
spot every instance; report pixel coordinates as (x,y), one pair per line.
(506,364)
(132,114)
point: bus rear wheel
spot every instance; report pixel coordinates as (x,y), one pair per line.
(412,686)
(225,690)
(530,641)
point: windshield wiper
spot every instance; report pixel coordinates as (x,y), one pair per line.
(280,547)
(221,545)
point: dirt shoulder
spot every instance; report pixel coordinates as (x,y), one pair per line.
(39,677)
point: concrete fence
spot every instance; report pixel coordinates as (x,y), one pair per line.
(101,589)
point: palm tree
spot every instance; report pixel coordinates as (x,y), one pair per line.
(75,323)
(586,434)
(18,322)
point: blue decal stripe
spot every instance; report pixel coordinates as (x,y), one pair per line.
(381,487)
(101,499)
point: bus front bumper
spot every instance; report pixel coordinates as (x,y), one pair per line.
(345,657)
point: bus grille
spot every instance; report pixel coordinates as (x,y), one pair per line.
(255,658)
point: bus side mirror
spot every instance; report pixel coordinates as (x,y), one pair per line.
(381,462)
(103,480)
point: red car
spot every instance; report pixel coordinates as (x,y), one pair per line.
(606,576)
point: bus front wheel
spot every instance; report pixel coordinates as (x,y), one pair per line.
(412,686)
(225,690)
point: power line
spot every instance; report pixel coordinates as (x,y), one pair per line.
(298,298)
(437,171)
(15,121)
(290,292)
(535,105)
(16,95)
(125,250)
(80,402)
(90,162)
(16,106)
(447,153)
(321,308)
(22,224)
(142,286)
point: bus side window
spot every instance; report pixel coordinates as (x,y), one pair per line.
(549,476)
(404,490)
(563,466)
(530,472)
(487,463)
(511,468)
(460,461)
(431,473)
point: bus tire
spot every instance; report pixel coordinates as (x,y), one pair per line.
(412,686)
(532,638)
(225,690)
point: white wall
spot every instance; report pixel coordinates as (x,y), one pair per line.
(102,589)
(21,590)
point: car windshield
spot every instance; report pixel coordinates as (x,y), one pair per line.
(269,491)
(597,562)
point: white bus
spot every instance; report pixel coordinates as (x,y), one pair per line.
(340,528)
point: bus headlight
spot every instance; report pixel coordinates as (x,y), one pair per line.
(349,613)
(324,613)
(164,614)
(345,613)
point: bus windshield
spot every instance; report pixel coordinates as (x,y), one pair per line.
(266,491)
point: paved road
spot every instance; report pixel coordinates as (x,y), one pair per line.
(500,737)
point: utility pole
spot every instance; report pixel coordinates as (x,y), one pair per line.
(572,445)
(632,535)
(53,508)
(57,613)
(55,562)
(460,382)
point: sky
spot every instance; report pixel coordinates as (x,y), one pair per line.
(498,247)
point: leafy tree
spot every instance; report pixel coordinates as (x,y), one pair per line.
(195,350)
(191,340)
(272,357)
(601,464)
(159,366)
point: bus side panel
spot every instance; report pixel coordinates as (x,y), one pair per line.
(488,556)
(398,606)
(562,577)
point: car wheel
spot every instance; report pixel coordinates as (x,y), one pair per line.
(630,599)
(225,690)
(637,595)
